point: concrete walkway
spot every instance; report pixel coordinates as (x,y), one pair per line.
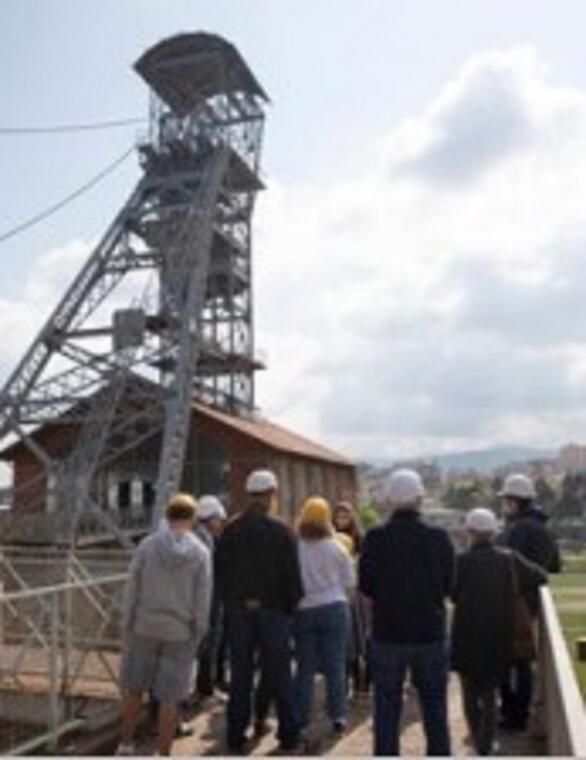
(208,725)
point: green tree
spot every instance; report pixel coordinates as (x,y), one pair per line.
(368,516)
(466,494)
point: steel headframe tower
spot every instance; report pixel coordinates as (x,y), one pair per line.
(162,309)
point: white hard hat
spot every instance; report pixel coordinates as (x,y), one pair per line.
(519,486)
(403,487)
(481,520)
(261,481)
(210,506)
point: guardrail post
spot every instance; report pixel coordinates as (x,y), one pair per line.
(53,717)
(67,638)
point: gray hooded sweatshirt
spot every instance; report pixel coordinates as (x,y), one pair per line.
(169,589)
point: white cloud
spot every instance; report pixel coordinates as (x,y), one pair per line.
(21,318)
(434,302)
(436,299)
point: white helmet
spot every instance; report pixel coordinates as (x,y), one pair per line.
(261,481)
(209,507)
(403,487)
(481,520)
(518,486)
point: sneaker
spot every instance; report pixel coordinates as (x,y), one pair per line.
(242,747)
(261,728)
(295,747)
(125,749)
(183,730)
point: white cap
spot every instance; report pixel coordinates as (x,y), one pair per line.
(261,481)
(481,520)
(519,486)
(403,487)
(210,506)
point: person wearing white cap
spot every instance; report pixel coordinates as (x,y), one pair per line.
(211,517)
(525,532)
(407,570)
(488,578)
(259,581)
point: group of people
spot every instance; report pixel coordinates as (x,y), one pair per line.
(292,604)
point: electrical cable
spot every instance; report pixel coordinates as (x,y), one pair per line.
(65,128)
(50,210)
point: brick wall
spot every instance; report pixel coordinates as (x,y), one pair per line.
(299,476)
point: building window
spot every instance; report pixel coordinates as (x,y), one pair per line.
(124,499)
(51,502)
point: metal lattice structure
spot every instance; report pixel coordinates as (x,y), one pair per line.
(162,309)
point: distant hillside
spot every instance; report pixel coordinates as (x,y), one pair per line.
(487,459)
(481,461)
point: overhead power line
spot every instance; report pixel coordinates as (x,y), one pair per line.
(50,210)
(64,128)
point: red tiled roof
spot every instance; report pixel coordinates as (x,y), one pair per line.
(274,436)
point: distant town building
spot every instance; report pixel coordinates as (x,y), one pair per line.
(572,458)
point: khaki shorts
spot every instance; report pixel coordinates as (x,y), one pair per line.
(165,668)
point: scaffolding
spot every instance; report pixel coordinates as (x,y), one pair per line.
(60,645)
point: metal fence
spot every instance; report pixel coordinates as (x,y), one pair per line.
(59,656)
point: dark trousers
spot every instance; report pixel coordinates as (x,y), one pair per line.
(428,667)
(480,710)
(260,636)
(516,694)
(207,656)
(263,698)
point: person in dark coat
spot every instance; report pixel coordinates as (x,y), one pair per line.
(407,570)
(482,627)
(211,518)
(525,532)
(259,580)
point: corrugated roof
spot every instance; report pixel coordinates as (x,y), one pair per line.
(274,436)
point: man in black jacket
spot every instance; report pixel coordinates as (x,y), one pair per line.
(407,570)
(488,578)
(527,534)
(259,581)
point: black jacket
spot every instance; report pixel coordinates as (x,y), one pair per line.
(482,626)
(407,569)
(256,559)
(527,534)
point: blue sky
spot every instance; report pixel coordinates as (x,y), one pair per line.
(354,87)
(339,74)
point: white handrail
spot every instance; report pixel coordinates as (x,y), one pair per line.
(564,707)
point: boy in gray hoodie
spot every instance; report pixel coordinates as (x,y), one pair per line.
(166,614)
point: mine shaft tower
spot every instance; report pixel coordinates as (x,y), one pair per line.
(162,311)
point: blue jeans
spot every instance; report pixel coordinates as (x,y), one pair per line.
(262,635)
(321,639)
(428,667)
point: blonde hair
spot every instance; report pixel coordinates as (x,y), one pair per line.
(181,506)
